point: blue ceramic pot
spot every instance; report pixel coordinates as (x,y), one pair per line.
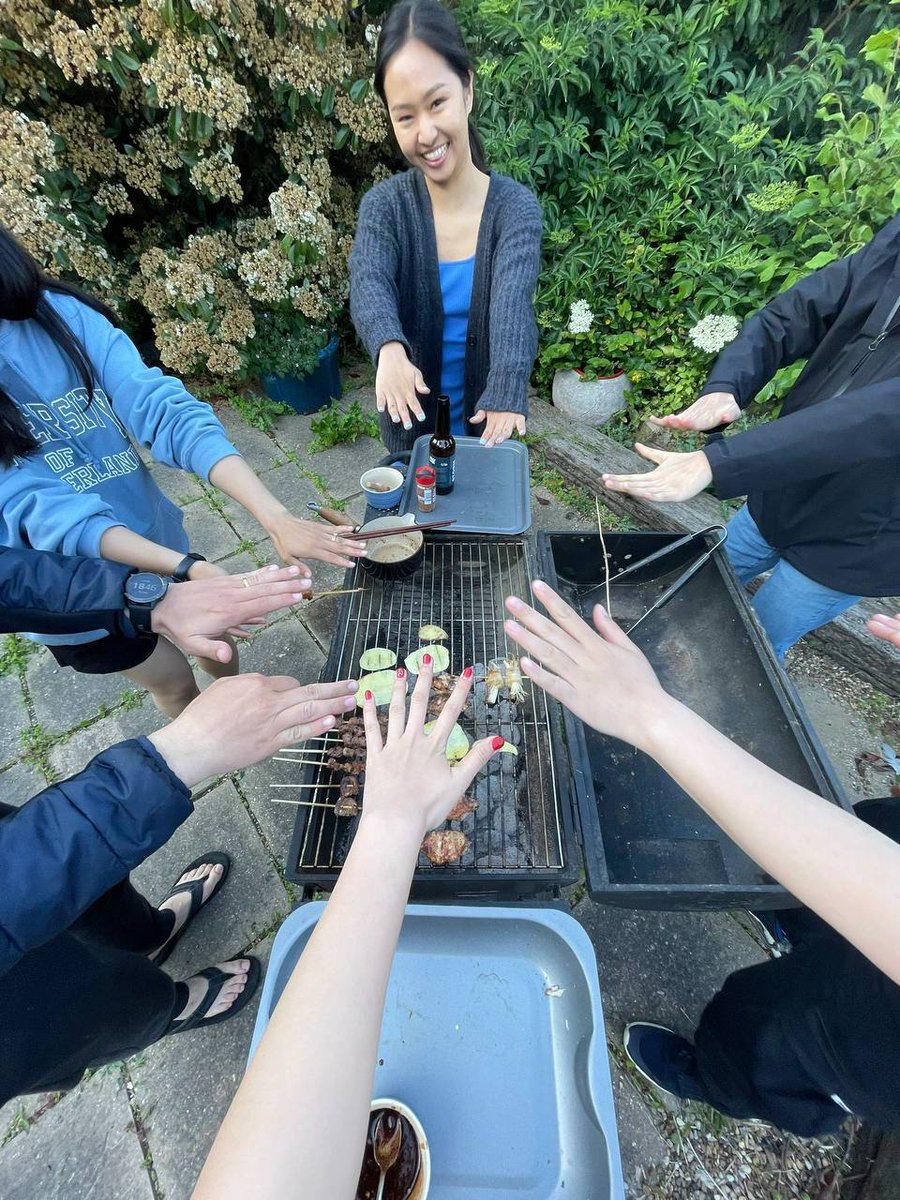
(313,391)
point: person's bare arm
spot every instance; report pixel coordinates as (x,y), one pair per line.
(295,540)
(838,866)
(119,544)
(299,1117)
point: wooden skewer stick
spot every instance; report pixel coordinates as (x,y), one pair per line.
(605,556)
(302,803)
(304,785)
(337,592)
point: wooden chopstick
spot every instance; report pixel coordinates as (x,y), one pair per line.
(397,529)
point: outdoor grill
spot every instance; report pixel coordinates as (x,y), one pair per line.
(521,836)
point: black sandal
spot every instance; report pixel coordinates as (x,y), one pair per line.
(214,858)
(216,979)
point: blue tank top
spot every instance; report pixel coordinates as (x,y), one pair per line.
(456,293)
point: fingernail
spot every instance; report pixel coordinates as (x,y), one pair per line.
(497,742)
(512,626)
(514,602)
(349,701)
(368,695)
(467,673)
(603,610)
(327,721)
(525,662)
(407,424)
(401,672)
(296,596)
(426,660)
(420,416)
(352,685)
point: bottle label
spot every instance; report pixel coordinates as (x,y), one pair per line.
(445,468)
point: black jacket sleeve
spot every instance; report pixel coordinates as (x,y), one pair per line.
(52,593)
(845,431)
(62,850)
(792,325)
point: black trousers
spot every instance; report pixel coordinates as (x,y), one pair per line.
(784,1039)
(87,997)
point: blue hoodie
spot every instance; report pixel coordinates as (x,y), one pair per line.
(85,476)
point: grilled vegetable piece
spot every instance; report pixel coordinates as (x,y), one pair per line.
(432,633)
(440,658)
(377,659)
(508,748)
(457,742)
(512,678)
(494,679)
(380,684)
(462,808)
(444,846)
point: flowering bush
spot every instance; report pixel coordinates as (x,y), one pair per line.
(713,333)
(196,163)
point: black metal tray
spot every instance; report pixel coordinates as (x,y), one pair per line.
(492,493)
(645,843)
(461,587)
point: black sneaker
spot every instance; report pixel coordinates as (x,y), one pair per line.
(665,1060)
(770,929)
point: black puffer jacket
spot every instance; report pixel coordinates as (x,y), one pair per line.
(823,481)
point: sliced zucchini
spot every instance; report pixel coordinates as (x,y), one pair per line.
(457,742)
(380,684)
(432,633)
(440,659)
(508,748)
(377,659)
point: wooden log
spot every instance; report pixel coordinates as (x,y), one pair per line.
(582,455)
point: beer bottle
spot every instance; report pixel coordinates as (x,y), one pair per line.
(442,448)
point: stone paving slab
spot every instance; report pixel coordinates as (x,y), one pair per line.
(662,966)
(343,465)
(63,697)
(289,487)
(181,487)
(184,1085)
(209,533)
(19,783)
(74,754)
(15,718)
(86,1146)
(251,901)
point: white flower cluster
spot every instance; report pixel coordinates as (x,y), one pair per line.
(713,333)
(580,317)
(372,32)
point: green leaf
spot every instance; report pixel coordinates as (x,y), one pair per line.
(358,90)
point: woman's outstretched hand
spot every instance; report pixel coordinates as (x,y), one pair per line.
(408,778)
(600,676)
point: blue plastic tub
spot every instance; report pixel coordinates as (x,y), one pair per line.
(313,391)
(493,1035)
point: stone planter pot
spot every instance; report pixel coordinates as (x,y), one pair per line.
(591,401)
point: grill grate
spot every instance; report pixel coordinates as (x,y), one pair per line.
(461,586)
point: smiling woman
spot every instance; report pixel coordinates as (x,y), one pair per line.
(446,255)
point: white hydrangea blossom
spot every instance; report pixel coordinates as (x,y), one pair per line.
(713,333)
(372,32)
(580,317)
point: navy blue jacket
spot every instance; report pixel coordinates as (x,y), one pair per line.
(62,850)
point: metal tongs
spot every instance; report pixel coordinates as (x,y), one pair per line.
(683,578)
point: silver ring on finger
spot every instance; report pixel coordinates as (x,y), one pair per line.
(245,581)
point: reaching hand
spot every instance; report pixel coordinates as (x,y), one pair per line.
(296,540)
(408,778)
(601,677)
(499,426)
(238,721)
(710,411)
(886,628)
(677,477)
(194,615)
(398,385)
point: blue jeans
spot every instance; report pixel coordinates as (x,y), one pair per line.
(788,604)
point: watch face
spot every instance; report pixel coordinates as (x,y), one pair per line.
(145,588)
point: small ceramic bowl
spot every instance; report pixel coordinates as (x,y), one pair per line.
(383,487)
(423,1181)
(393,558)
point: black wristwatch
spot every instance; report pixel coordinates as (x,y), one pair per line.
(143,591)
(180,574)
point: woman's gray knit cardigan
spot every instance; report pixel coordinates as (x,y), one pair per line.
(395,294)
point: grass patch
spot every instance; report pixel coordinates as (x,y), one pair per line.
(335,425)
(254,408)
(15,652)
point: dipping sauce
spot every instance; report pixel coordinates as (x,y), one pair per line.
(379,487)
(395,549)
(400,1181)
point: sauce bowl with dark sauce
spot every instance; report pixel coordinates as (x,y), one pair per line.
(410,1177)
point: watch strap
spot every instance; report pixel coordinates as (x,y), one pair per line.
(180,574)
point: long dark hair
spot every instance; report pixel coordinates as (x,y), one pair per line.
(429,22)
(23,288)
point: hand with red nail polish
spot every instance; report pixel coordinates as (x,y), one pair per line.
(410,785)
(497,743)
